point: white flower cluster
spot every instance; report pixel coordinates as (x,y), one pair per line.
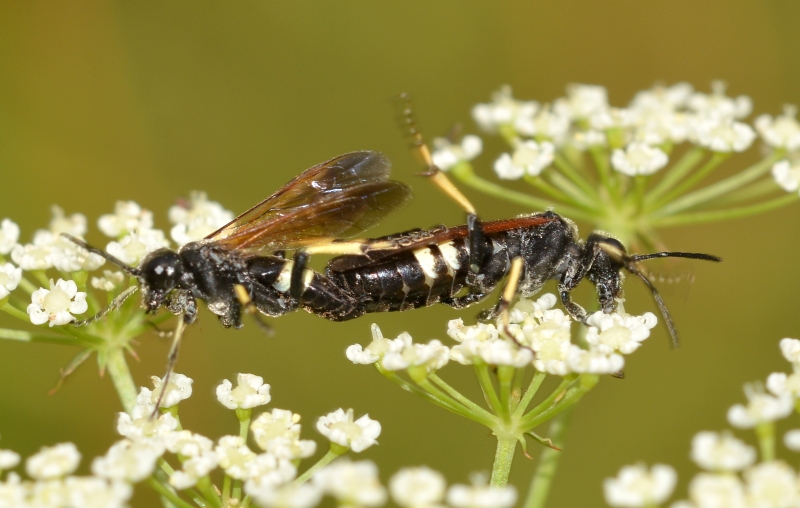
(639,135)
(267,476)
(197,219)
(48,248)
(131,226)
(544,333)
(730,477)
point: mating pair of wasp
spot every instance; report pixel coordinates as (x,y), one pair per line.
(243,266)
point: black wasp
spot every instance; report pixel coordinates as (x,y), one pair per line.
(241,265)
(462,265)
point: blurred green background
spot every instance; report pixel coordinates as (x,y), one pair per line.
(101,101)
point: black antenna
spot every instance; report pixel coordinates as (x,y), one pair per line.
(673,333)
(77,241)
(690,255)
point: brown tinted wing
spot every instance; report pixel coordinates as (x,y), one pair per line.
(382,249)
(340,197)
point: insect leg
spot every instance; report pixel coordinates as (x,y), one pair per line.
(114,305)
(247,303)
(172,358)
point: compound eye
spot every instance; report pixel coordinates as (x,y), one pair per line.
(162,270)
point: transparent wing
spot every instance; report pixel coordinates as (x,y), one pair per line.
(338,198)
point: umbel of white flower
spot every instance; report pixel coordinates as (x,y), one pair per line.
(250,392)
(57,305)
(342,429)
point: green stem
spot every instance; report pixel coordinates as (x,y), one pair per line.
(560,391)
(757,190)
(443,403)
(21,335)
(548,462)
(541,184)
(10,309)
(536,382)
(121,378)
(505,376)
(572,190)
(168,494)
(486,415)
(226,490)
(766,440)
(716,159)
(452,403)
(489,393)
(503,457)
(468,177)
(576,177)
(731,213)
(585,383)
(718,189)
(324,461)
(27,286)
(676,172)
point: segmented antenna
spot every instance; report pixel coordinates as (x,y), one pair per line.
(77,241)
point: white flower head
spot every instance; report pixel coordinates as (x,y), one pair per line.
(179,388)
(417,487)
(250,392)
(791,351)
(481,495)
(75,224)
(446,154)
(268,470)
(90,492)
(187,444)
(780,383)
(636,486)
(109,281)
(9,234)
(593,361)
(503,110)
(761,408)
(722,134)
(721,452)
(68,257)
(771,484)
(306,495)
(781,132)
(662,97)
(638,159)
(234,456)
(10,276)
(197,219)
(57,304)
(619,332)
(8,459)
(37,255)
(529,158)
(127,460)
(546,124)
(278,433)
(787,175)
(140,425)
(53,462)
(711,490)
(718,104)
(341,429)
(133,247)
(352,483)
(128,217)
(791,439)
(194,468)
(374,351)
(583,101)
(433,356)
(584,140)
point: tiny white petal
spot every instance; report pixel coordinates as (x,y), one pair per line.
(249,392)
(53,462)
(340,428)
(635,486)
(721,452)
(9,234)
(417,487)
